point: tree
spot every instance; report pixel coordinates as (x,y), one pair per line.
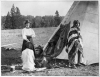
(18,11)
(3,18)
(42,22)
(8,23)
(38,21)
(57,18)
(33,23)
(14,20)
(13,11)
(17,18)
(13,14)
(57,13)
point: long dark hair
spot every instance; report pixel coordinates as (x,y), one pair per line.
(76,24)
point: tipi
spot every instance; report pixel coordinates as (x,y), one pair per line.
(87,12)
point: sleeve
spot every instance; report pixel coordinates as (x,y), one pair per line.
(23,35)
(33,33)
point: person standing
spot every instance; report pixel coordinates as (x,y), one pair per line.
(74,44)
(27,34)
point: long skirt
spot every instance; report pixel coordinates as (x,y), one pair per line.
(28,60)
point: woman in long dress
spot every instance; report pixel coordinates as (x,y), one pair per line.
(28,48)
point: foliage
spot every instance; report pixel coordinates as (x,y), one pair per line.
(57,18)
(14,20)
(7,23)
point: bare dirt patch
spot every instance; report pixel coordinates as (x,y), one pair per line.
(80,71)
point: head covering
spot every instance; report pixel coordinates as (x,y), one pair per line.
(27,21)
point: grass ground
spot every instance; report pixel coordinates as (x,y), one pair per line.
(14,36)
(42,36)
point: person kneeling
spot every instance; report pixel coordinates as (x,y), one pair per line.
(28,58)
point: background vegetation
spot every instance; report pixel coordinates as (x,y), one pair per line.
(15,20)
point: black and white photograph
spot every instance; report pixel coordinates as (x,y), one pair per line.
(50,38)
